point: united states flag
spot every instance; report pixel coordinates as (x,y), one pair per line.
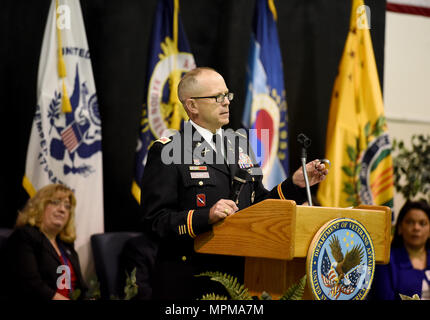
(325,263)
(329,277)
(71,136)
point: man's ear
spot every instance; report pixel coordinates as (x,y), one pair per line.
(191,106)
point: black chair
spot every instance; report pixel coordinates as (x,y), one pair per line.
(139,254)
(107,248)
(4,234)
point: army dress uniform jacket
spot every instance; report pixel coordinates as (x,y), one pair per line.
(179,186)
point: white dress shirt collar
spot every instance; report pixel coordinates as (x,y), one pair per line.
(207,135)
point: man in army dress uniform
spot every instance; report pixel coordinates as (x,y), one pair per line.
(187,185)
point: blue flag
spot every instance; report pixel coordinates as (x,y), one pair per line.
(265,113)
(169,58)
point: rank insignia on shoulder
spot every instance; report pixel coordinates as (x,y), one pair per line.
(164,140)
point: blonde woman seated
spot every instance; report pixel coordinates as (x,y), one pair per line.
(41,262)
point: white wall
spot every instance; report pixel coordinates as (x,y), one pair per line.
(407,78)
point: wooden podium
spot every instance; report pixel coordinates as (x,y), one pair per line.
(274,237)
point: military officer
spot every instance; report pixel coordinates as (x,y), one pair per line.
(187,182)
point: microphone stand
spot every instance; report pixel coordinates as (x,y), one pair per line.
(305,142)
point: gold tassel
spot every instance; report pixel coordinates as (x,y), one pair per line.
(175,22)
(273,9)
(28,186)
(66,107)
(175,76)
(61,65)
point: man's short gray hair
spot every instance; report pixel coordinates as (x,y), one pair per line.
(189,80)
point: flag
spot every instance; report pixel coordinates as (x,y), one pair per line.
(357,141)
(265,112)
(169,58)
(418,7)
(65,141)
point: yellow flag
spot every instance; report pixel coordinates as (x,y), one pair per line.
(357,142)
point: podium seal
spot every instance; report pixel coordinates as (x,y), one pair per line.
(341,261)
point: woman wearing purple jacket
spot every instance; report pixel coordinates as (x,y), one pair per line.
(408,272)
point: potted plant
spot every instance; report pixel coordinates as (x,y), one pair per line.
(412,167)
(238,291)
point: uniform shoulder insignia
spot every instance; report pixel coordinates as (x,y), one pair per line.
(164,140)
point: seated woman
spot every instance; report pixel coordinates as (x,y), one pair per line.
(41,262)
(408,272)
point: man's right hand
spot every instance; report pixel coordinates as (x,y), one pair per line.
(221,210)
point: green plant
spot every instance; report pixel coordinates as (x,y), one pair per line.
(130,289)
(93,288)
(405,297)
(237,291)
(75,294)
(412,167)
(295,292)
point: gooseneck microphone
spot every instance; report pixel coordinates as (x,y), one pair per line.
(305,143)
(240,178)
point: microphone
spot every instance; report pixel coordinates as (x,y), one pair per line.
(239,180)
(305,142)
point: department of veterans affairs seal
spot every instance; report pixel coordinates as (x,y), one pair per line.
(341,261)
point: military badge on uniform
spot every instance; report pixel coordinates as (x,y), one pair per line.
(199,175)
(245,161)
(182,229)
(198,168)
(341,261)
(201,200)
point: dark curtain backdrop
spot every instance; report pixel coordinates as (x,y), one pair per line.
(312,35)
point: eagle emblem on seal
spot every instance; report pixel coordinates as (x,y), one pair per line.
(341,275)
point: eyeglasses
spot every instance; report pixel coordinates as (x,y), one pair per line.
(58,202)
(219,98)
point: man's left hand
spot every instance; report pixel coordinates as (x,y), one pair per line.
(316,173)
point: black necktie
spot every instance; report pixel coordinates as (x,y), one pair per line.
(217,142)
